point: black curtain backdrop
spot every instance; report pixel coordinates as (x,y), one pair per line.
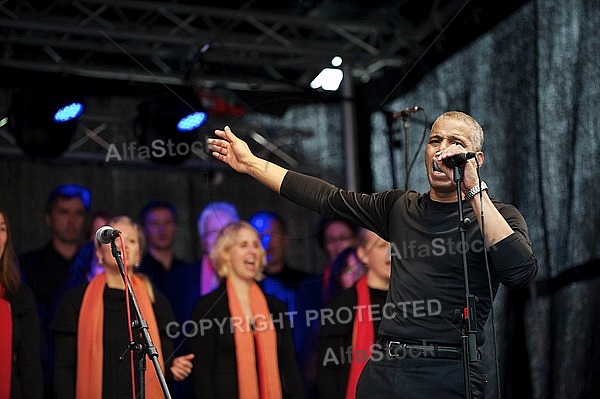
(534,85)
(533,82)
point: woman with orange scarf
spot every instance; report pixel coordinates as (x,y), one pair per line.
(243,343)
(345,344)
(20,364)
(92,335)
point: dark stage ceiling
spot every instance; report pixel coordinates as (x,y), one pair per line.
(256,48)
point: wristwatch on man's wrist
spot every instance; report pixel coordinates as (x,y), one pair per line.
(475,190)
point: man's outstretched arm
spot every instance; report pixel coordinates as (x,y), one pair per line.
(234,151)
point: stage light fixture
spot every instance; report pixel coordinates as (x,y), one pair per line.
(68,112)
(44,121)
(191,121)
(329,78)
(170,121)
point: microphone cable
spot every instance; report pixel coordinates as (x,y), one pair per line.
(489,280)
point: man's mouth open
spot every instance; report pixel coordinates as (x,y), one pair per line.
(436,169)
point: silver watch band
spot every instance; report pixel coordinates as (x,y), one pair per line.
(475,190)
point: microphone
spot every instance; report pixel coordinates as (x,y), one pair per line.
(405,113)
(106,234)
(458,159)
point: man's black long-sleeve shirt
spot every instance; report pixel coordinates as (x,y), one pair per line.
(427,279)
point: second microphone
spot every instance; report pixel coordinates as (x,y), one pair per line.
(106,234)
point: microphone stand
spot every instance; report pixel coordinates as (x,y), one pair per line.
(405,126)
(469,313)
(393,143)
(142,326)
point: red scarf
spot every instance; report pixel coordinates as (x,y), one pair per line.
(90,334)
(6,354)
(363,336)
(326,277)
(256,379)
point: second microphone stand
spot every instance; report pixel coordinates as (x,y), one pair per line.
(469,312)
(394,143)
(147,347)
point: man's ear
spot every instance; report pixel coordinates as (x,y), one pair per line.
(480,157)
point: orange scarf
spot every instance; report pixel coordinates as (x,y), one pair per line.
(90,334)
(6,354)
(250,345)
(363,336)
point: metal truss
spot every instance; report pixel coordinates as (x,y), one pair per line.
(236,46)
(258,47)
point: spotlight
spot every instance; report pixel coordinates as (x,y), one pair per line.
(170,121)
(328,79)
(191,121)
(43,124)
(68,112)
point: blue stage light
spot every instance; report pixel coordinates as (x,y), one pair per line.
(39,129)
(174,117)
(262,221)
(191,121)
(68,112)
